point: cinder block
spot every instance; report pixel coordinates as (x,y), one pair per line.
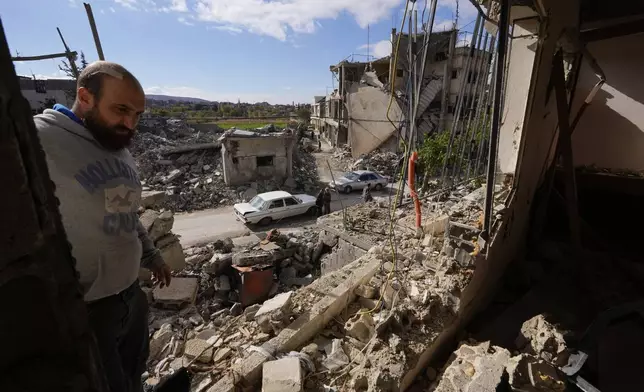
(283,375)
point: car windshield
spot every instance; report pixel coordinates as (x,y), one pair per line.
(257,202)
(350,176)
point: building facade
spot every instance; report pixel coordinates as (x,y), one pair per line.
(44,93)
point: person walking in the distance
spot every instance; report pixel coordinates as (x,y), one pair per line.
(325,195)
(366,194)
(99,193)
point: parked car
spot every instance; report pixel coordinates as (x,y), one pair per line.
(358,179)
(271,206)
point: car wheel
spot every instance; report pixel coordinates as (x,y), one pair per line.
(265,221)
(378,187)
(348,189)
(313,211)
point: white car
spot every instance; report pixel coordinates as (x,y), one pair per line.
(359,179)
(272,206)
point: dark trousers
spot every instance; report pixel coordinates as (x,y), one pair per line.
(120,325)
(327,209)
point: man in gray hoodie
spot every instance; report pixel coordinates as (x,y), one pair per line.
(99,192)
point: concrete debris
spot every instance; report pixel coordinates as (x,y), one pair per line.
(200,349)
(159,341)
(337,358)
(529,373)
(283,375)
(361,326)
(542,339)
(181,292)
(186,166)
(474,368)
(366,291)
(384,163)
(274,313)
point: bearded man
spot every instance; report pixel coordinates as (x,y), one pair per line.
(99,192)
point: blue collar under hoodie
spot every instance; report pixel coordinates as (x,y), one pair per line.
(99,193)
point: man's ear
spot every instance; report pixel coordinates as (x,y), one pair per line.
(85,99)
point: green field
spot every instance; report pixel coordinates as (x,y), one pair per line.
(249,123)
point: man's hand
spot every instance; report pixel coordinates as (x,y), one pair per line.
(162,274)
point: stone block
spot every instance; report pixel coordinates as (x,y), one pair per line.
(221,354)
(328,239)
(463,231)
(173,175)
(173,256)
(247,259)
(251,311)
(436,226)
(195,349)
(182,291)
(361,327)
(283,375)
(147,218)
(542,339)
(197,259)
(161,225)
(366,291)
(337,358)
(150,199)
(281,302)
(159,341)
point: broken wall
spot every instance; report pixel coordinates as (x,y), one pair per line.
(257,158)
(521,57)
(368,123)
(539,129)
(343,254)
(610,134)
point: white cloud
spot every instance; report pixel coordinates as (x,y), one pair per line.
(279,18)
(228,29)
(179,6)
(131,4)
(286,97)
(112,9)
(444,25)
(185,21)
(378,49)
(466,11)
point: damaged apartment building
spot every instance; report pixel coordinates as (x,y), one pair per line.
(249,156)
(355,114)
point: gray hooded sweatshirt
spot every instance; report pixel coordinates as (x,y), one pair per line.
(99,193)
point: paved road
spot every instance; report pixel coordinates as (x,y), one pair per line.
(202,227)
(206,226)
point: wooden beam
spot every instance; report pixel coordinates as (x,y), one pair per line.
(71,58)
(41,57)
(614,31)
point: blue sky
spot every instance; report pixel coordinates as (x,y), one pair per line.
(254,50)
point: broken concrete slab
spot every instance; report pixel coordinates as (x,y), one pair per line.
(328,239)
(182,291)
(159,341)
(221,354)
(283,375)
(337,358)
(274,312)
(247,241)
(474,368)
(195,349)
(150,199)
(305,327)
(173,256)
(250,258)
(366,291)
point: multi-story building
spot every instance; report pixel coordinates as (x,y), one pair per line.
(44,93)
(361,112)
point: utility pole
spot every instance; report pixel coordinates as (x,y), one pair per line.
(92,24)
(70,57)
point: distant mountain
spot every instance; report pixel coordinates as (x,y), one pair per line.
(157,97)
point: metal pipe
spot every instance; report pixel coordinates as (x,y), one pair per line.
(92,24)
(459,104)
(496,114)
(482,103)
(426,41)
(472,102)
(486,116)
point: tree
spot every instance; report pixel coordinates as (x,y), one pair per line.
(69,72)
(304,114)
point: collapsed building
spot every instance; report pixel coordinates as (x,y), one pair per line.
(361,113)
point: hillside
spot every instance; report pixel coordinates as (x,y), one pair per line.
(157,97)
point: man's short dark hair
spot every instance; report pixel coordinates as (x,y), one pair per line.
(93,75)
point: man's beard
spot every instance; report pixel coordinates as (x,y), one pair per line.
(107,136)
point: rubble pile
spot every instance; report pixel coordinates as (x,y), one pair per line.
(385,163)
(186,165)
(535,366)
(216,294)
